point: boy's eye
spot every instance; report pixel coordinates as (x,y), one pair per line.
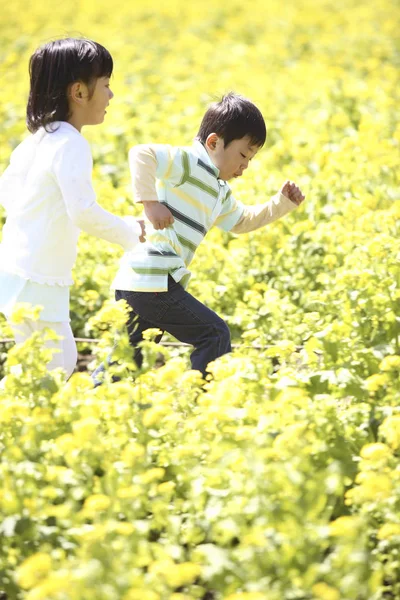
(241,154)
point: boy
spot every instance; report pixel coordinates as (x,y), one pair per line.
(184,193)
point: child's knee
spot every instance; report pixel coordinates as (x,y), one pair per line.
(70,362)
(224,335)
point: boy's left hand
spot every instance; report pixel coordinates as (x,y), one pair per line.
(291,191)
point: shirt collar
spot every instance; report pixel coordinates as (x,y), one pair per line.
(202,153)
(54,125)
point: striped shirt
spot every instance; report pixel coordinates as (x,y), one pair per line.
(188,184)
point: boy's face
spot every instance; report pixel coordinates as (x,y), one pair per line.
(233,159)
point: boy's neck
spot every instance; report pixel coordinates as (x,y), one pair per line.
(208,153)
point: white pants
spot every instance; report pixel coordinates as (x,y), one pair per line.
(68,355)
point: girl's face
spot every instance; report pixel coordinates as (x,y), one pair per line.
(88,104)
(99,100)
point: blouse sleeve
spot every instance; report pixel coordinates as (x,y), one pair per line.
(72,168)
(13,179)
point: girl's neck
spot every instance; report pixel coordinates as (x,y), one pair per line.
(75,122)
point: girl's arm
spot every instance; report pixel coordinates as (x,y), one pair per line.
(13,179)
(8,183)
(73,171)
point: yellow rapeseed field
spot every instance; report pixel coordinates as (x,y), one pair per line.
(280,479)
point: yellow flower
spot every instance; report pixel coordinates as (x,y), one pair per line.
(132,451)
(123,528)
(33,569)
(50,587)
(152,475)
(344,526)
(373,383)
(141,594)
(133,491)
(290,438)
(176,574)
(375,452)
(85,430)
(254,538)
(374,486)
(58,473)
(96,503)
(167,487)
(170,372)
(389,530)
(154,415)
(66,442)
(23,311)
(182,574)
(61,511)
(283,349)
(390,363)
(247,596)
(325,592)
(151,334)
(390,429)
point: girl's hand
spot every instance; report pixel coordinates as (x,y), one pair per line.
(142,238)
(158,214)
(291,191)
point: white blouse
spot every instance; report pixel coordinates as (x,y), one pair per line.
(48,196)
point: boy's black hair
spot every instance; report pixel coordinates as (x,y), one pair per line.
(233,118)
(52,68)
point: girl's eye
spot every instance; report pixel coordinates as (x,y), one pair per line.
(241,154)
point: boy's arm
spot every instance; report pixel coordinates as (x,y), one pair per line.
(260,215)
(143,166)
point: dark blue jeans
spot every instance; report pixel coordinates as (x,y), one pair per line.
(180,314)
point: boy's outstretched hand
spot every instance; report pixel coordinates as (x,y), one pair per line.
(291,191)
(158,214)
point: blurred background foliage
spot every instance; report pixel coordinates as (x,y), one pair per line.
(280,480)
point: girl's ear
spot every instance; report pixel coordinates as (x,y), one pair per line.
(78,92)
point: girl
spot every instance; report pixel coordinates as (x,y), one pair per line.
(47,190)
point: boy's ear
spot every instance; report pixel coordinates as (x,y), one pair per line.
(211,141)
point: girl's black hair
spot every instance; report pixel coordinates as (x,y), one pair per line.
(52,68)
(233,118)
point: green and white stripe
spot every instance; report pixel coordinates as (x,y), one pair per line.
(189,186)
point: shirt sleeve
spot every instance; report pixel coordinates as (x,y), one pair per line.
(8,182)
(231,212)
(148,162)
(72,168)
(254,217)
(13,178)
